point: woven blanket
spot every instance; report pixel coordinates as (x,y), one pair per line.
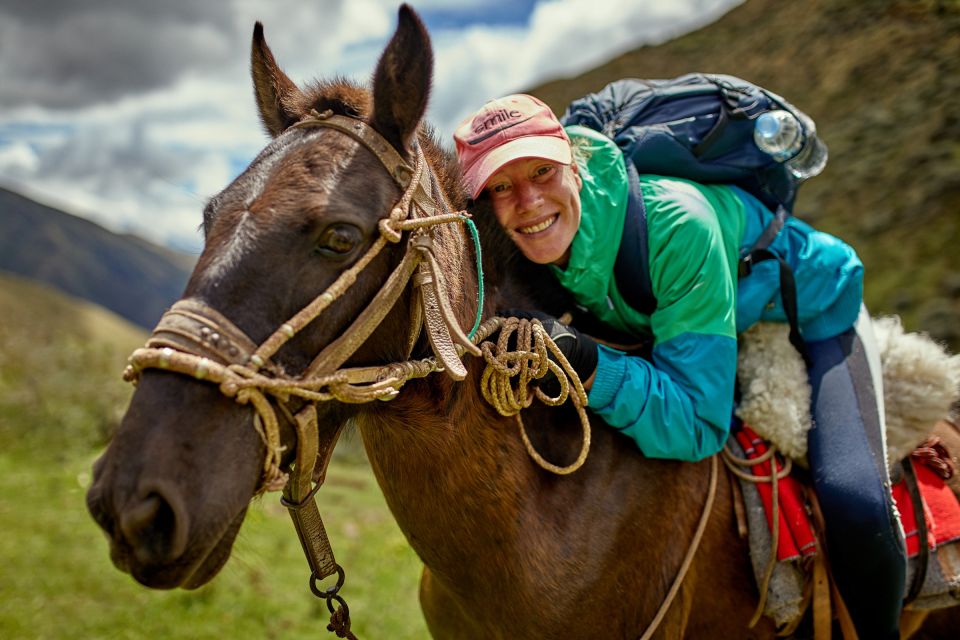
(796,541)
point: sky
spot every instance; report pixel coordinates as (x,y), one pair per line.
(133,113)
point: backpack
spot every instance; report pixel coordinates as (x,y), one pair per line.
(700,127)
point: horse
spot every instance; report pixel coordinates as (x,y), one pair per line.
(509,550)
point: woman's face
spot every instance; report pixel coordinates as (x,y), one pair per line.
(538,202)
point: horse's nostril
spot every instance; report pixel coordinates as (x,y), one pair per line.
(154,528)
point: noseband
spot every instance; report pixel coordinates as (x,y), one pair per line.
(196,340)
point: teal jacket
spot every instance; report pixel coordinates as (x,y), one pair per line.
(679,404)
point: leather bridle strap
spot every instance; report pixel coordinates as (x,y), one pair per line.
(401,173)
(196,340)
(298,499)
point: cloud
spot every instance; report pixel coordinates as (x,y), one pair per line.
(65,55)
(136,111)
(480,63)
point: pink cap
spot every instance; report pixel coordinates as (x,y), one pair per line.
(504,130)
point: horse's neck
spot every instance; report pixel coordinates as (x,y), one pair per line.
(450,467)
(475,508)
(445,464)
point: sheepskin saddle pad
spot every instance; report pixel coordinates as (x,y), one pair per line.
(921,383)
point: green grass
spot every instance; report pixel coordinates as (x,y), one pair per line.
(57,580)
(60,397)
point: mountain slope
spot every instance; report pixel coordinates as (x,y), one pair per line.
(882,80)
(125,274)
(60,364)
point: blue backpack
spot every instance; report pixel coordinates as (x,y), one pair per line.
(700,127)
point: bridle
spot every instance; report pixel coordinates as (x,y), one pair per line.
(196,340)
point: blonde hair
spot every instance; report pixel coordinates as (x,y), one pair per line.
(581,150)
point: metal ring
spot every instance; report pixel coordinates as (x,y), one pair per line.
(341,602)
(295,506)
(332,591)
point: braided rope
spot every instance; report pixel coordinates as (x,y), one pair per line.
(531,362)
(734,464)
(247,386)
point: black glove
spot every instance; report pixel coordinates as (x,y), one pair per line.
(578,348)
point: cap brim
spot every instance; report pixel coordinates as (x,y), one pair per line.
(547,147)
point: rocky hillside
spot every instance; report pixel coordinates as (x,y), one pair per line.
(125,274)
(882,80)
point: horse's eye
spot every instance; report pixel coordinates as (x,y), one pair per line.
(339,240)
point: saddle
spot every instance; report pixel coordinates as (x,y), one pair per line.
(921,381)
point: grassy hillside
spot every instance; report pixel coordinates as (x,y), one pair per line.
(882,80)
(60,365)
(125,274)
(60,397)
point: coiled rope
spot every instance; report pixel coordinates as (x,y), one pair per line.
(520,358)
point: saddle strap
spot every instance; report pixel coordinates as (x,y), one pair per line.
(847,629)
(822,614)
(923,554)
(691,552)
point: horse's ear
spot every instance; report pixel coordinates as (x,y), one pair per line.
(401,82)
(280,101)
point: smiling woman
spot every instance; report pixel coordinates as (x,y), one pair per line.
(602,227)
(537,203)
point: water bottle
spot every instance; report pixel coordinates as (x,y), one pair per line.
(779,134)
(812,157)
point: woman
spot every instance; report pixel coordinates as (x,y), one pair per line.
(561,194)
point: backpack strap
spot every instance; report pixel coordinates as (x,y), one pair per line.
(760,252)
(631,271)
(634,284)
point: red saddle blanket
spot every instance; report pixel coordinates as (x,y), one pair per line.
(796,538)
(940,510)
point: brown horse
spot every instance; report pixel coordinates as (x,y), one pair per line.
(509,550)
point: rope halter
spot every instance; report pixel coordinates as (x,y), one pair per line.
(196,340)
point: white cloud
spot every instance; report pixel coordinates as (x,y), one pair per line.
(175,116)
(564,38)
(18,158)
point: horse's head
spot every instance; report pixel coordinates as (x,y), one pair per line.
(314,228)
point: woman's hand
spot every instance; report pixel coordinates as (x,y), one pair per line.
(579,349)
